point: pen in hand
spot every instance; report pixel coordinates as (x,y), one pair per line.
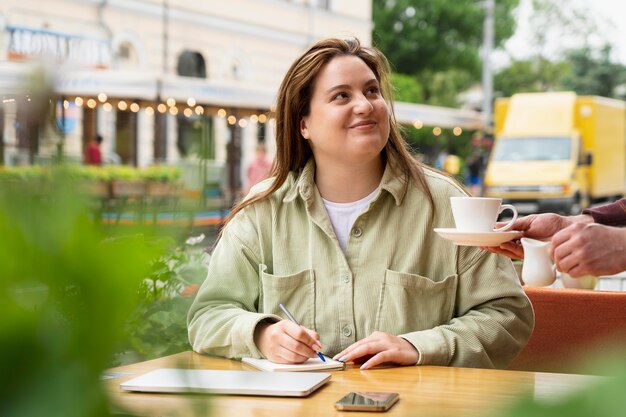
(293,319)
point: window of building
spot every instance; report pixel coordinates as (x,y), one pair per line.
(126,56)
(191,64)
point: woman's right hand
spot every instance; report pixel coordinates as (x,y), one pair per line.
(286,342)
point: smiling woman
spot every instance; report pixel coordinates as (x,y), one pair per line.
(347,128)
(342,234)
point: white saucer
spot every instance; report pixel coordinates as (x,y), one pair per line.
(461,238)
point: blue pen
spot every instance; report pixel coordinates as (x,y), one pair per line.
(292,318)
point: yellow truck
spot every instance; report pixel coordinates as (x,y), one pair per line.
(557,152)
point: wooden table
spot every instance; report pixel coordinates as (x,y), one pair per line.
(424,391)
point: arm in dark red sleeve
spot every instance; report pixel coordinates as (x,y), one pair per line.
(613,214)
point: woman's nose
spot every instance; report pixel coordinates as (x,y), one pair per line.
(363,105)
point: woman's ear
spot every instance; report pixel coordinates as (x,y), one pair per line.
(304,131)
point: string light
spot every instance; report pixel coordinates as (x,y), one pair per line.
(243,123)
(199,110)
(107,106)
(162,108)
(149,111)
(187,112)
(457,131)
(232,120)
(78,101)
(254,119)
(437,131)
(173,111)
(191,101)
(122,105)
(418,124)
(134,107)
(171,102)
(221,113)
(262,118)
(91,103)
(102,97)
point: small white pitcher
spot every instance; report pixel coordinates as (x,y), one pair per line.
(538,270)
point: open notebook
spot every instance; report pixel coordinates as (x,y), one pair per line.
(227,382)
(314,364)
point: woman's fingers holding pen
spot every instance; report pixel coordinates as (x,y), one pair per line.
(304,336)
(382,347)
(286,342)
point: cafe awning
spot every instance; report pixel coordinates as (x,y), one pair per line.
(142,85)
(218,94)
(444,117)
(114,83)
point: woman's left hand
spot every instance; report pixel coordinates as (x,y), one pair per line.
(382,347)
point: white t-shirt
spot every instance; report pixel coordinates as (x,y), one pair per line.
(343,215)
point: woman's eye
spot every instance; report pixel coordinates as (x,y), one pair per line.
(373,90)
(340,96)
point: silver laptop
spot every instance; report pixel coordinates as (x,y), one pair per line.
(278,384)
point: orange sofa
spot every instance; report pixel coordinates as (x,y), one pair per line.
(571,325)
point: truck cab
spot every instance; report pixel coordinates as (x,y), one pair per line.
(544,151)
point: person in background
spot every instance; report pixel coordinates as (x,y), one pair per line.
(452,164)
(592,243)
(342,235)
(474,170)
(259,168)
(93,154)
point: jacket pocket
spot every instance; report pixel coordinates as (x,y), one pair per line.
(296,292)
(410,302)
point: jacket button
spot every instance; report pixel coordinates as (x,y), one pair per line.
(347,331)
(357,232)
(345,278)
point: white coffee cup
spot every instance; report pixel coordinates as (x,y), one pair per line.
(479,214)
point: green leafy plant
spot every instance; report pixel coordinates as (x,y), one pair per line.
(66,290)
(158,326)
(161,173)
(157,173)
(22,173)
(125,173)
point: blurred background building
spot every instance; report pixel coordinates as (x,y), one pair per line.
(160,80)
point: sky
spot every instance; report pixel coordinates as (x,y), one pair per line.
(610,16)
(614,11)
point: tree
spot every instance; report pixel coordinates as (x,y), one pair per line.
(585,69)
(406,88)
(530,75)
(433,46)
(593,73)
(436,35)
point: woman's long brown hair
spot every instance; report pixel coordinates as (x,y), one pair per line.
(294,98)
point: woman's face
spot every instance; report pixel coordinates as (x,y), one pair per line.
(348,120)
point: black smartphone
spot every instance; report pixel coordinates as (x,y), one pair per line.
(367,401)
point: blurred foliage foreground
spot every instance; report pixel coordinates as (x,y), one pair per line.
(73,300)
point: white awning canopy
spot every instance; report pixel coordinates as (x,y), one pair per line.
(140,85)
(444,117)
(211,93)
(115,84)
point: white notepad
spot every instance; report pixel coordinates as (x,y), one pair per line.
(313,364)
(227,382)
